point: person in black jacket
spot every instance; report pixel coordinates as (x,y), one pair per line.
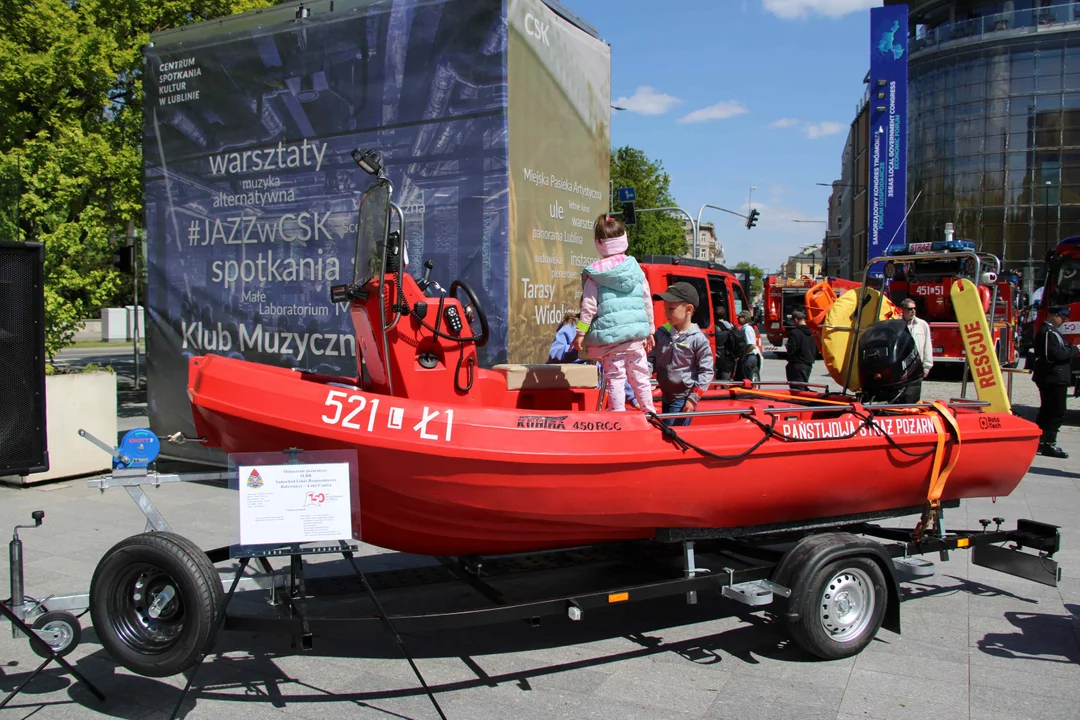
(801,351)
(1053,372)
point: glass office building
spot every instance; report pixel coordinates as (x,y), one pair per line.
(994,124)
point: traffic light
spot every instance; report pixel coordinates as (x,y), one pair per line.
(629,215)
(752,220)
(124,259)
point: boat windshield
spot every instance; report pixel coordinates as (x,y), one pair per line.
(371,236)
(1063,281)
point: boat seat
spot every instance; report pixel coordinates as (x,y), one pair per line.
(549,377)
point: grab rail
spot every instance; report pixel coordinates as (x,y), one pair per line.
(816,408)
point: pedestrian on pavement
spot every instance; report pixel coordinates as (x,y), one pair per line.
(730,344)
(750,367)
(801,351)
(1053,373)
(920,331)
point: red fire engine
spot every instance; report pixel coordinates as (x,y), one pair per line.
(782,296)
(1063,288)
(928,283)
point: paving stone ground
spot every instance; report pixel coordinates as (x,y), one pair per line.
(976,644)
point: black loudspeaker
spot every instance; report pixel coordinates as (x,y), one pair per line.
(23,442)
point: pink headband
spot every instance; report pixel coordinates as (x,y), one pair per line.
(613,246)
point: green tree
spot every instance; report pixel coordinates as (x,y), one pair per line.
(654,233)
(70,135)
(757,277)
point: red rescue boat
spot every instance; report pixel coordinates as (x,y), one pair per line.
(457,460)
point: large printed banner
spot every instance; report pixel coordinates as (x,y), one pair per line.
(888,129)
(559,115)
(252,196)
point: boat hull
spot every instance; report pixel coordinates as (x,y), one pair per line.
(441,479)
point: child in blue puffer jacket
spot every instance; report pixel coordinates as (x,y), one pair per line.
(617,316)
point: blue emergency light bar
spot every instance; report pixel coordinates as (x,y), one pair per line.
(928,247)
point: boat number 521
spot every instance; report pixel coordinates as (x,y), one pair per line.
(347,411)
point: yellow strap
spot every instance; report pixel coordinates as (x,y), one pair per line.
(937,484)
(939,476)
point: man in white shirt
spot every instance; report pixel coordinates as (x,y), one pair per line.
(920,331)
(750,367)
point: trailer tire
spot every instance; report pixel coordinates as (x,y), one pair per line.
(840,608)
(64,633)
(154,603)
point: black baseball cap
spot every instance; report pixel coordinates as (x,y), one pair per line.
(679,292)
(1063,311)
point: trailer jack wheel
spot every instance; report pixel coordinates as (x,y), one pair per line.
(840,608)
(154,602)
(59,630)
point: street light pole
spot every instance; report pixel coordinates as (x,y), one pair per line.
(697,224)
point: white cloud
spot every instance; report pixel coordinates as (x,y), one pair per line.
(648,101)
(795,9)
(784,123)
(719,111)
(815,131)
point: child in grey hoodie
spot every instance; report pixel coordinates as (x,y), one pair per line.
(681,356)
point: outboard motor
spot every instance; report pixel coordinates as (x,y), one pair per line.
(888,360)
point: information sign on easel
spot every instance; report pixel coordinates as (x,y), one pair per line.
(292,499)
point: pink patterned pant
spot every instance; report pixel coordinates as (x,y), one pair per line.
(630,364)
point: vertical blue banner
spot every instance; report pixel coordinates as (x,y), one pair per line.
(888,130)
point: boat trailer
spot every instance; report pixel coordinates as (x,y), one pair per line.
(837,579)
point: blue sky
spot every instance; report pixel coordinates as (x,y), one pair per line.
(730,94)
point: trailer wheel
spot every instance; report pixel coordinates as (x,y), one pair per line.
(840,608)
(59,630)
(154,602)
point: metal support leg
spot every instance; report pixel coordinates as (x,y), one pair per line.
(944,554)
(299,601)
(393,631)
(15,568)
(275,597)
(691,569)
(217,631)
(154,519)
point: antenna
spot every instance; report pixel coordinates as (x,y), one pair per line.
(910,208)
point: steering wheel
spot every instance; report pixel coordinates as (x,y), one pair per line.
(473,311)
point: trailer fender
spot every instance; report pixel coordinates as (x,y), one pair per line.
(814,551)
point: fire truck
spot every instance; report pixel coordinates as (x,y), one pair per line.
(784,295)
(1063,288)
(928,283)
(716,285)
